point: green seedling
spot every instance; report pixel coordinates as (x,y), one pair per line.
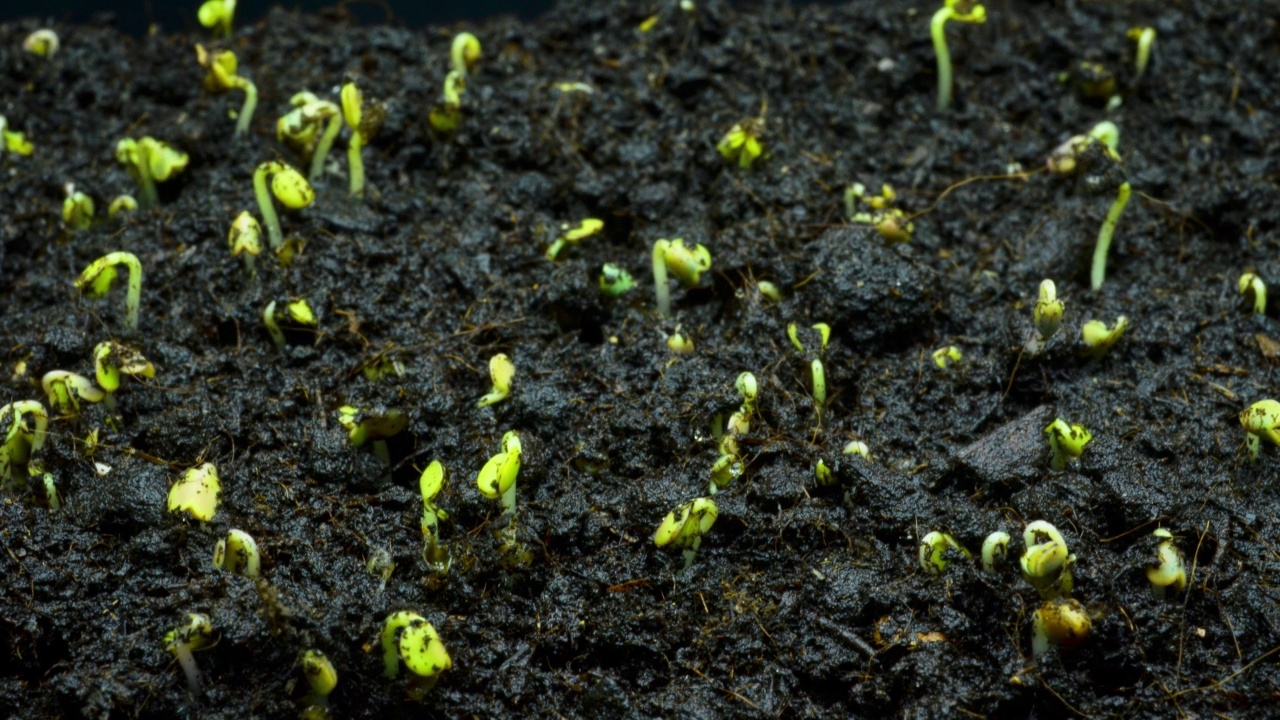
(430,483)
(97,278)
(295,313)
(446,116)
(680,343)
(217,16)
(364,123)
(408,638)
(995,551)
(858,448)
(742,142)
(1059,622)
(501,371)
(497,479)
(728,467)
(1145,37)
(1252,287)
(769,291)
(685,526)
(947,355)
(77,210)
(823,474)
(614,281)
(185,639)
(196,493)
(1260,420)
(14,142)
(288,186)
(322,678)
(1169,574)
(1099,271)
(464,53)
(110,359)
(1099,338)
(121,204)
(574,235)
(50,492)
(1046,562)
(66,389)
(21,442)
(245,239)
(1046,318)
(42,43)
(365,425)
(1065,159)
(891,222)
(237,553)
(301,126)
(223,66)
(149,161)
(685,263)
(817,372)
(935,549)
(1066,441)
(965,11)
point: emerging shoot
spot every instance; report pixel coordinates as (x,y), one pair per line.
(572,236)
(288,186)
(742,142)
(464,53)
(949,355)
(365,425)
(121,204)
(1099,338)
(995,551)
(66,389)
(685,526)
(1099,271)
(1261,420)
(322,678)
(217,16)
(685,263)
(1168,576)
(222,66)
(196,493)
(14,142)
(42,43)
(1252,287)
(183,640)
(21,442)
(501,371)
(430,483)
(238,553)
(1046,562)
(891,222)
(149,161)
(817,372)
(97,278)
(1061,622)
(408,638)
(301,126)
(1046,316)
(1145,37)
(937,549)
(245,238)
(1066,441)
(296,313)
(77,210)
(110,359)
(614,281)
(497,479)
(364,123)
(965,11)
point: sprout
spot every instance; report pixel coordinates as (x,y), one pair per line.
(680,343)
(497,479)
(1046,317)
(51,492)
(301,125)
(197,492)
(363,426)
(122,203)
(446,115)
(464,53)
(1260,420)
(238,554)
(934,549)
(245,238)
(1064,159)
(685,263)
(823,474)
(77,209)
(1099,271)
(858,448)
(1099,338)
(110,359)
(572,236)
(217,15)
(42,43)
(222,66)
(430,483)
(965,11)
(944,355)
(892,223)
(1145,37)
(769,290)
(20,441)
(322,678)
(97,278)
(501,371)
(1252,287)
(614,281)
(14,142)
(407,637)
(149,161)
(1046,562)
(728,467)
(742,142)
(364,123)
(1066,441)
(817,372)
(1168,576)
(1061,622)
(66,389)
(995,550)
(685,526)
(184,639)
(288,186)
(297,312)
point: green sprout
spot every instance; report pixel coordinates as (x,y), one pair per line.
(149,161)
(217,15)
(501,371)
(183,640)
(237,553)
(51,492)
(728,467)
(1145,37)
(288,186)
(1046,317)
(1064,159)
(680,343)
(20,441)
(301,127)
(14,142)
(572,236)
(1066,441)
(1169,575)
(995,550)
(1060,622)
(1252,287)
(97,278)
(965,11)
(196,493)
(295,312)
(770,291)
(42,43)
(497,479)
(1099,338)
(464,53)
(77,210)
(446,115)
(858,448)
(408,638)
(364,123)
(1099,271)
(891,222)
(66,389)
(935,549)
(430,483)
(245,238)
(109,360)
(1260,420)
(742,142)
(122,203)
(365,425)
(614,281)
(947,355)
(1046,562)
(222,66)
(685,263)
(322,678)
(685,526)
(817,372)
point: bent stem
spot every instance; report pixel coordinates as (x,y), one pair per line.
(246,110)
(937,27)
(325,144)
(1099,271)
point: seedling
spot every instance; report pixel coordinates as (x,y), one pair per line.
(66,389)
(965,11)
(77,210)
(464,53)
(892,223)
(685,526)
(1060,622)
(407,637)
(995,551)
(1064,159)
(14,142)
(501,371)
(217,15)
(222,66)
(296,312)
(430,483)
(149,161)
(245,238)
(446,116)
(947,355)
(1099,271)
(728,467)
(1046,317)
(96,280)
(1099,338)
(365,425)
(614,281)
(857,448)
(196,493)
(1046,562)
(685,263)
(110,359)
(742,142)
(1066,441)
(680,343)
(122,203)
(497,479)
(183,640)
(301,126)
(572,236)
(238,553)
(817,372)
(322,678)
(770,291)
(1252,287)
(935,549)
(1145,37)
(823,474)
(1259,420)
(288,186)
(42,43)
(1169,575)
(364,123)
(20,441)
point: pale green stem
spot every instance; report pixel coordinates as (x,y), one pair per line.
(246,111)
(356,164)
(1099,271)
(660,279)
(147,197)
(269,217)
(509,500)
(691,552)
(938,29)
(325,144)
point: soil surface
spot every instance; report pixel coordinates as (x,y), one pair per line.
(799,603)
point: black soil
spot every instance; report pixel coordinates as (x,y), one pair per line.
(798,604)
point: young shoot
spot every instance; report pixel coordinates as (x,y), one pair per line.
(1099,271)
(1046,318)
(121,204)
(1065,159)
(1254,290)
(217,16)
(1046,562)
(995,551)
(322,678)
(408,638)
(891,222)
(1261,420)
(14,142)
(685,526)
(1145,37)
(614,281)
(1066,441)
(21,442)
(196,493)
(497,479)
(1094,81)
(365,425)
(110,359)
(430,483)
(817,372)
(464,53)
(965,11)
(222,66)
(364,123)
(97,278)
(742,142)
(857,448)
(301,126)
(1099,338)
(1168,576)
(944,356)
(237,553)
(574,235)
(245,239)
(149,161)
(288,186)
(185,639)
(66,389)
(501,371)
(296,313)
(680,342)
(1060,622)
(42,43)
(685,263)
(77,210)
(446,116)
(937,550)
(728,467)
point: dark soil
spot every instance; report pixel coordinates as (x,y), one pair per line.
(797,604)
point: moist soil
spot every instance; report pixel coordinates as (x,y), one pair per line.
(803,600)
